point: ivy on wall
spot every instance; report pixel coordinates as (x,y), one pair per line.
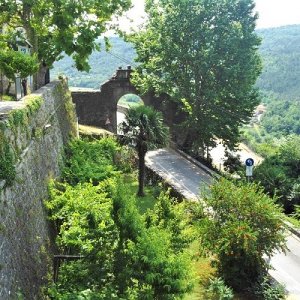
(9,151)
(17,122)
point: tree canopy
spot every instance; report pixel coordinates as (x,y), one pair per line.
(54,26)
(12,62)
(203,53)
(242,226)
(280,173)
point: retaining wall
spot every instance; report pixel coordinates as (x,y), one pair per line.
(33,132)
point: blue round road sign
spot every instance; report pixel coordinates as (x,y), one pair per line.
(249,162)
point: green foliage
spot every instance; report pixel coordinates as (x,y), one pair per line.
(7,168)
(218,290)
(204,55)
(268,289)
(281,58)
(82,216)
(171,215)
(240,226)
(144,128)
(124,255)
(17,119)
(90,161)
(152,252)
(297,214)
(7,98)
(54,26)
(145,125)
(12,62)
(282,118)
(279,173)
(279,84)
(120,255)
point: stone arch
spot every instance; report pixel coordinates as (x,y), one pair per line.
(99,107)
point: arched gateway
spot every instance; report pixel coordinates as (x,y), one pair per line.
(99,107)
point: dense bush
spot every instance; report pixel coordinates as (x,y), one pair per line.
(280,173)
(90,161)
(124,254)
(241,225)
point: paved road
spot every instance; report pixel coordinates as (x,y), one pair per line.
(186,176)
(190,179)
(287,267)
(218,155)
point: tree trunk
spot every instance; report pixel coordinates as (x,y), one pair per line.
(7,92)
(39,79)
(141,154)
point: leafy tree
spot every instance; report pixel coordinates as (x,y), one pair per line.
(242,226)
(144,128)
(54,26)
(203,53)
(280,173)
(12,62)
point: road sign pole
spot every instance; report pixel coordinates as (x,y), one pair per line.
(249,168)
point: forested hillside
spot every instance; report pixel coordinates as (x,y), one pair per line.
(103,64)
(281,61)
(279,49)
(279,81)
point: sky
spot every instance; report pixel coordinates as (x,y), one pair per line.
(272,13)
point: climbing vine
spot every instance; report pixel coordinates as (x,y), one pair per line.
(9,150)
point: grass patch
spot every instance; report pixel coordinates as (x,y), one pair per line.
(151,193)
(7,98)
(203,270)
(92,131)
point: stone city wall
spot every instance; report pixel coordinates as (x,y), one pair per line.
(33,132)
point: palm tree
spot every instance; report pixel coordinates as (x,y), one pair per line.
(144,129)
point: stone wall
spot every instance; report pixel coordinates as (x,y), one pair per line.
(99,107)
(36,141)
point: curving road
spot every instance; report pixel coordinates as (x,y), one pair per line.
(188,178)
(287,267)
(191,180)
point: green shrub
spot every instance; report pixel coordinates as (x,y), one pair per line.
(217,290)
(90,161)
(242,225)
(267,289)
(124,254)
